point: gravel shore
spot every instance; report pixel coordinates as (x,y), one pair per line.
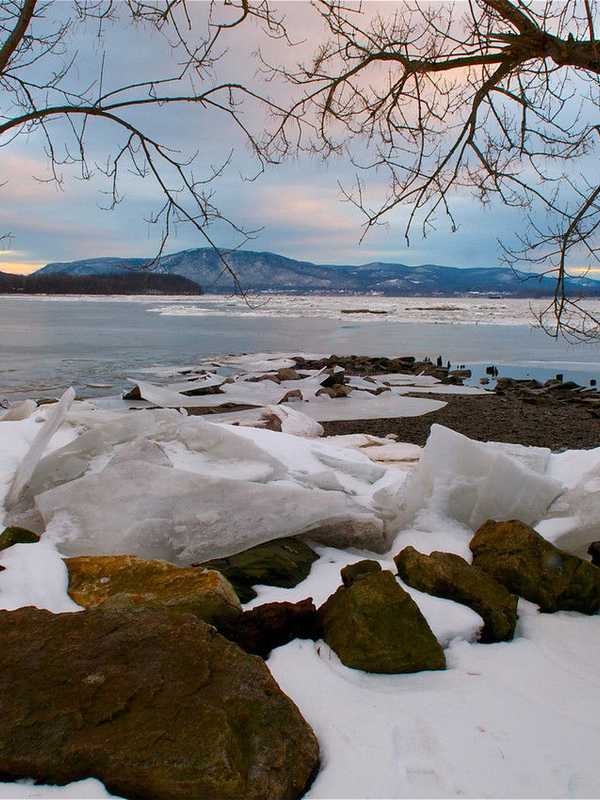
(495,418)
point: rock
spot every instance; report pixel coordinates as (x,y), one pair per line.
(288,374)
(593,551)
(16,535)
(336,377)
(376,626)
(362,534)
(291,396)
(155,705)
(127,582)
(450,576)
(529,566)
(283,563)
(352,572)
(271,625)
(337,390)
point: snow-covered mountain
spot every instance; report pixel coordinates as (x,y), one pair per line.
(270,272)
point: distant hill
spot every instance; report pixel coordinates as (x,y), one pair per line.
(269,272)
(93,283)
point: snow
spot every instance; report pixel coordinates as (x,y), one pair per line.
(516,719)
(89,789)
(34,575)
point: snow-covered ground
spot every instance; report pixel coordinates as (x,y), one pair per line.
(517,719)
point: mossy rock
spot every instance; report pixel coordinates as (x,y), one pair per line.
(16,535)
(282,562)
(156,705)
(450,576)
(128,582)
(531,567)
(375,626)
(352,572)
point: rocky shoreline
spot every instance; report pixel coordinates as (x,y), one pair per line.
(257,610)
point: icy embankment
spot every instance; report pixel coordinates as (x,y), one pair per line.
(512,719)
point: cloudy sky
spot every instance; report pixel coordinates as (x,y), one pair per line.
(296,205)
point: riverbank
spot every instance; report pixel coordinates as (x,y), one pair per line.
(496,418)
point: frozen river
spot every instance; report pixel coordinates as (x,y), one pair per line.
(49,343)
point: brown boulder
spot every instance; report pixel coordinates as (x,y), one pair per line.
(529,566)
(157,706)
(376,626)
(127,582)
(450,576)
(352,572)
(271,625)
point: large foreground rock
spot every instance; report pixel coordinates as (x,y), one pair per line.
(158,706)
(528,565)
(126,582)
(374,625)
(282,562)
(450,576)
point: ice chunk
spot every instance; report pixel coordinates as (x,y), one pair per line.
(19,411)
(574,519)
(294,422)
(471,482)
(25,470)
(142,449)
(160,512)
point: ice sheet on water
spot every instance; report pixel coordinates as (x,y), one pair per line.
(472,482)
(184,517)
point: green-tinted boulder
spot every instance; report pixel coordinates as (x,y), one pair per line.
(450,576)
(156,705)
(529,566)
(376,626)
(282,562)
(359,569)
(15,535)
(127,582)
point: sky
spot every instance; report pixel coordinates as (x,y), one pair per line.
(295,207)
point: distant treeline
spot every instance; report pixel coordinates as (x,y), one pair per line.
(129,283)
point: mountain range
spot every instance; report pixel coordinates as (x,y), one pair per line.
(270,272)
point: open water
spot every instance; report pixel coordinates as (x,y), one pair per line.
(49,343)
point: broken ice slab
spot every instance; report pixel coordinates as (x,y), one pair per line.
(56,417)
(472,481)
(172,514)
(240,393)
(93,449)
(19,411)
(367,406)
